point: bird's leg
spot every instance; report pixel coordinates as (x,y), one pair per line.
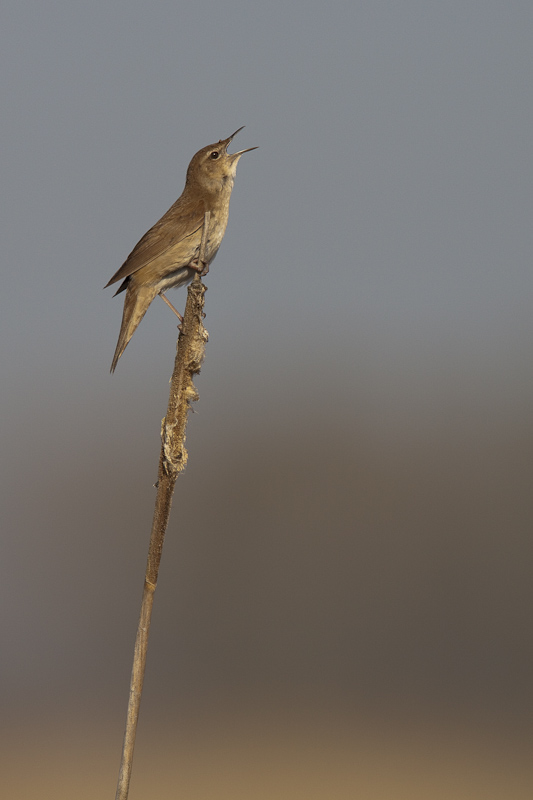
(169,304)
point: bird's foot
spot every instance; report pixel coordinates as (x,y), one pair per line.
(201,267)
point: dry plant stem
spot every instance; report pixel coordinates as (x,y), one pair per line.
(172,461)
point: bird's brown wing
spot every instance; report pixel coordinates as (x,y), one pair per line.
(183,219)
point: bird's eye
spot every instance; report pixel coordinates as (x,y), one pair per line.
(215,154)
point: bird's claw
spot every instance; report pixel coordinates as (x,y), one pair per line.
(201,270)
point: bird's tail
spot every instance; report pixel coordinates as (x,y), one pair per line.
(136,303)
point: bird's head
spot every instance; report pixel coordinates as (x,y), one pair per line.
(213,168)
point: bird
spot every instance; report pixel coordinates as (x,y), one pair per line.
(167,255)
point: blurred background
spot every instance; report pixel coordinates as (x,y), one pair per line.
(344,603)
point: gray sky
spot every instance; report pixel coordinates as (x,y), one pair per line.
(375,277)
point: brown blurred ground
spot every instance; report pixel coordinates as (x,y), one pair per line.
(264,755)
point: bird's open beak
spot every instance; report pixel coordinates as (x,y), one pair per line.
(233,135)
(228,140)
(243,151)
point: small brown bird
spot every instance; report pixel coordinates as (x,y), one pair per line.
(167,255)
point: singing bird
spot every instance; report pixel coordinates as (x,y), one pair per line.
(167,255)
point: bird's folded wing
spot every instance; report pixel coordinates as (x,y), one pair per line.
(177,224)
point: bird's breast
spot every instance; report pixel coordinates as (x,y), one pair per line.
(217,228)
